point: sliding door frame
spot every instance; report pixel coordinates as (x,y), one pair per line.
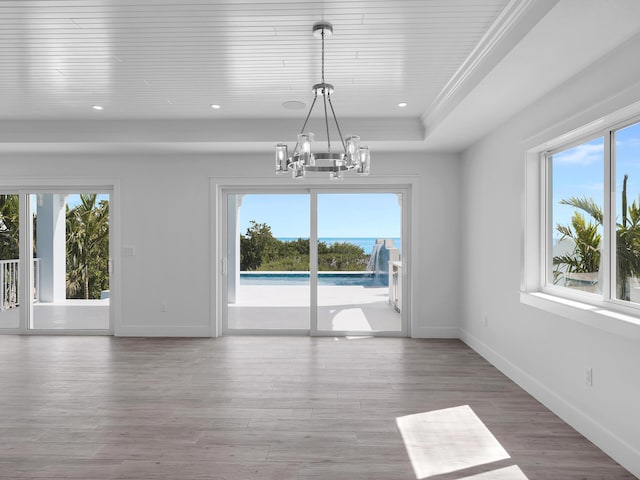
(25,187)
(224,264)
(405,242)
(222,187)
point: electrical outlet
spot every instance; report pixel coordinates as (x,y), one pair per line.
(486,320)
(588,376)
(163,307)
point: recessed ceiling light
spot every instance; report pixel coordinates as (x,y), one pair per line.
(402,104)
(215,106)
(97,107)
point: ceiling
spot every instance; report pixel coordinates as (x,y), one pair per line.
(156,67)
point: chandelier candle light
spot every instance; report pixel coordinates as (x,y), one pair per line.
(353,156)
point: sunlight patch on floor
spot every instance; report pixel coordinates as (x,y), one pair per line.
(453,440)
(507,473)
(350,319)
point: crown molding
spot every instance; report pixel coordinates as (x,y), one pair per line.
(513,23)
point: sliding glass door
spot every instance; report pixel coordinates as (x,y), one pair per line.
(55,258)
(267,286)
(10,301)
(69,235)
(316,262)
(359,262)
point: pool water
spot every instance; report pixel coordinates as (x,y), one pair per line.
(367,279)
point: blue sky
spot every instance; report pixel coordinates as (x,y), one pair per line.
(579,171)
(71,200)
(74,199)
(339,215)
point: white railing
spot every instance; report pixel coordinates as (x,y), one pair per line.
(395,285)
(10,281)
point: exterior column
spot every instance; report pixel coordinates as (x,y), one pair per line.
(51,248)
(234,202)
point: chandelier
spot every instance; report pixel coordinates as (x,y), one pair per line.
(352,156)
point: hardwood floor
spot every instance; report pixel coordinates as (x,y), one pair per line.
(274,408)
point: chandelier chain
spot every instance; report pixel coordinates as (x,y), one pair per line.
(322,33)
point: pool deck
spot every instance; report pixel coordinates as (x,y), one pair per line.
(340,308)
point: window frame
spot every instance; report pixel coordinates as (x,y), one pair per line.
(547,226)
(602,311)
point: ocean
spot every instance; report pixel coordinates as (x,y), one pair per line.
(366,243)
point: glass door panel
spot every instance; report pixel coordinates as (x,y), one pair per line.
(70,244)
(9,261)
(267,281)
(359,262)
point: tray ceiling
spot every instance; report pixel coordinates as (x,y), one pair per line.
(169,61)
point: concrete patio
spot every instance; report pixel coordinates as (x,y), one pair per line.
(340,308)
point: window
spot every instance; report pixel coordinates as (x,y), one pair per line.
(574,233)
(590,204)
(626,156)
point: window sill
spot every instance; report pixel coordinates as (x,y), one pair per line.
(600,317)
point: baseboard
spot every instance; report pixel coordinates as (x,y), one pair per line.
(162,331)
(434,332)
(622,452)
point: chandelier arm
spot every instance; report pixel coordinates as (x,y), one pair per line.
(335,119)
(304,125)
(326,122)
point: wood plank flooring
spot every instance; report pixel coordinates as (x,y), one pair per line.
(274,408)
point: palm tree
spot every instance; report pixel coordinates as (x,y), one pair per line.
(627,244)
(9,215)
(87,241)
(585,256)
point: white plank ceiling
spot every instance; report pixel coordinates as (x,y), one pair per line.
(168,59)
(157,66)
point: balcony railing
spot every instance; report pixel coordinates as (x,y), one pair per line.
(10,281)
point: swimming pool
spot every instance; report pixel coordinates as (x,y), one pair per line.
(367,279)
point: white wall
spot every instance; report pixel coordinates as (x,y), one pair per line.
(545,353)
(165,215)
